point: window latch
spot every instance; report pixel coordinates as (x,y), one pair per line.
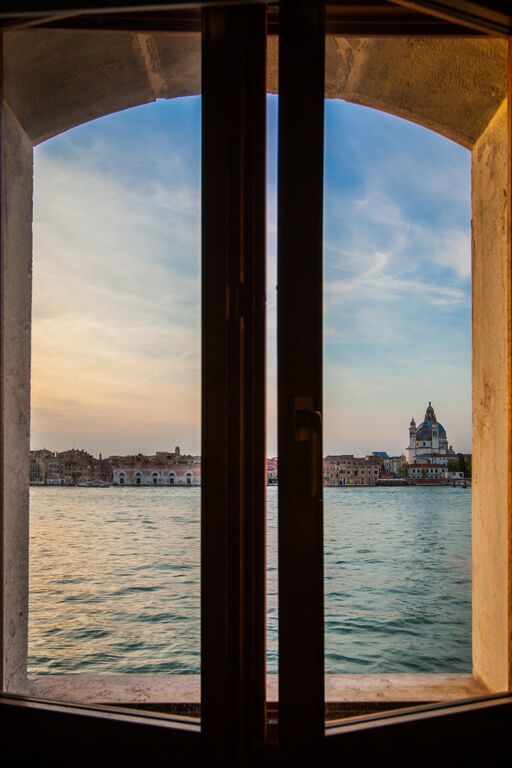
(308,429)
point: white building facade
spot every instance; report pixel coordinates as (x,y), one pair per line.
(156,475)
(428,441)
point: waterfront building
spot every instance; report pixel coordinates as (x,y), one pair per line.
(101,470)
(39,466)
(380,457)
(427,472)
(434,458)
(157,474)
(455,476)
(162,468)
(160,458)
(350,470)
(174,457)
(271,465)
(53,470)
(71,467)
(435,472)
(393,464)
(428,440)
(76,466)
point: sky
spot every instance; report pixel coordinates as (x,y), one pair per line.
(116,295)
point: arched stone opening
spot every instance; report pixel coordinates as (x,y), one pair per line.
(60,79)
(57,80)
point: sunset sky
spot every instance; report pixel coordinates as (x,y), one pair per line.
(116,298)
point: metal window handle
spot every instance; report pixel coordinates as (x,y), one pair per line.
(308,428)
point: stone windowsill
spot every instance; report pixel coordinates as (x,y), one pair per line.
(185,689)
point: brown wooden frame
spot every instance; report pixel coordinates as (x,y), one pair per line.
(300,290)
(233,401)
(233,726)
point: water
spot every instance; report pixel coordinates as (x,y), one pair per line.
(398,580)
(114,580)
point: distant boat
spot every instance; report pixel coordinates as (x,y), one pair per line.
(94,484)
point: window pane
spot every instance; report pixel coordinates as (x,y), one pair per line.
(397,335)
(115,470)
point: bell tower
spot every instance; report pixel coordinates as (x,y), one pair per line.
(410,451)
(412,434)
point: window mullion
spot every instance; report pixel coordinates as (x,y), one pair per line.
(300,225)
(233,221)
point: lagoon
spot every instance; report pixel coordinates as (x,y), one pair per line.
(115,580)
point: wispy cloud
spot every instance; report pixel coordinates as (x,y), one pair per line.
(397,293)
(386,287)
(116,337)
(116,332)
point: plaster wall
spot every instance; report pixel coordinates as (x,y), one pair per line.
(434,82)
(16,262)
(58,79)
(491,438)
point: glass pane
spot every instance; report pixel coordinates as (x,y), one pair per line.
(115,466)
(397,344)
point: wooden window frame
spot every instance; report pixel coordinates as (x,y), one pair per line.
(234,721)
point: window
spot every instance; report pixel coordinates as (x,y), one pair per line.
(233,718)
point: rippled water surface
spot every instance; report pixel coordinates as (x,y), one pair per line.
(114,580)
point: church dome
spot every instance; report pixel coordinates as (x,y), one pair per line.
(424,431)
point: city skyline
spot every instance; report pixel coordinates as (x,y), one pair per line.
(116,363)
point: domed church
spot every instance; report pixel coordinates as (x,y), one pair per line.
(427,440)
